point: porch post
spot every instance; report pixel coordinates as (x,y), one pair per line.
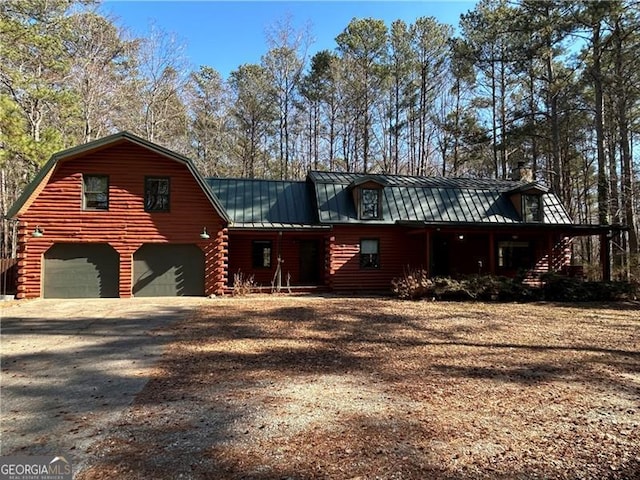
(605,257)
(492,253)
(427,235)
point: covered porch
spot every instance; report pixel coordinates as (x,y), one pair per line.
(289,260)
(525,251)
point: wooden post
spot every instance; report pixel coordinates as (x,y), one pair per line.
(492,253)
(427,234)
(605,257)
(550,253)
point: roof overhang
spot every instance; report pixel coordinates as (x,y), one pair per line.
(569,228)
(531,187)
(282,227)
(32,190)
(364,179)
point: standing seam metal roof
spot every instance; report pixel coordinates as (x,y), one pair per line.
(430,200)
(327,199)
(253,203)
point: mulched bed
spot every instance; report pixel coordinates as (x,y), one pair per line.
(268,387)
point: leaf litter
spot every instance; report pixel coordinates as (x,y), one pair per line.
(273,387)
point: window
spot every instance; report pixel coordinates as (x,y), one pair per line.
(156,194)
(370,253)
(95,192)
(369,204)
(514,255)
(532,208)
(261,253)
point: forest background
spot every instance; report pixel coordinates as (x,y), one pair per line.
(550,83)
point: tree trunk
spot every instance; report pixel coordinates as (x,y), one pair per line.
(596,74)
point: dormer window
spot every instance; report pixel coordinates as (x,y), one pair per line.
(532,208)
(369,204)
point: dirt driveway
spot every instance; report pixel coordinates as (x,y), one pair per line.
(70,367)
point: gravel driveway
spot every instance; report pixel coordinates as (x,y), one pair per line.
(70,367)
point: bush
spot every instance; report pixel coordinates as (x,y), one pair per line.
(415,284)
(564,289)
(242,285)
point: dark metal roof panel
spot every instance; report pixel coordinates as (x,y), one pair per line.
(554,211)
(346,178)
(266,203)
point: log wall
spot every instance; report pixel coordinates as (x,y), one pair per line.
(57,210)
(397,251)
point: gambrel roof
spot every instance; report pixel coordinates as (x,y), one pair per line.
(32,190)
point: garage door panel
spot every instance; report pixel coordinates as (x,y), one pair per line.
(168,270)
(81,271)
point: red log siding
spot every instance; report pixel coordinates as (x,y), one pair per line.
(397,250)
(241,256)
(125,226)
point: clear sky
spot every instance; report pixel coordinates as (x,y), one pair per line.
(227,34)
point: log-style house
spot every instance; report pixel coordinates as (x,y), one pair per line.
(122,217)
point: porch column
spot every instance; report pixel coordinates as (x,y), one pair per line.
(605,257)
(427,241)
(492,253)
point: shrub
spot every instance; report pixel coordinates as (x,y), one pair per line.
(415,284)
(242,285)
(564,289)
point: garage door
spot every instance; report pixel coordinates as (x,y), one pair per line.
(168,270)
(81,270)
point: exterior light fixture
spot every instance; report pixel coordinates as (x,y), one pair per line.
(38,232)
(460,237)
(204,235)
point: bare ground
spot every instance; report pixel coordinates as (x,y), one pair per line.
(336,388)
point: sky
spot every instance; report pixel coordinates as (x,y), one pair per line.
(227,34)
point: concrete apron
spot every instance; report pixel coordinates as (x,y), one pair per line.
(70,368)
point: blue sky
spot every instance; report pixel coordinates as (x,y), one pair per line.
(227,34)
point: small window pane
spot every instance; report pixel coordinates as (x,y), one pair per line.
(514,255)
(369,253)
(370,204)
(532,208)
(261,254)
(95,192)
(369,246)
(156,195)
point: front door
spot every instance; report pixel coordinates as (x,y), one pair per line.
(309,259)
(440,266)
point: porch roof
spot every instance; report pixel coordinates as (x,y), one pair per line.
(266,204)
